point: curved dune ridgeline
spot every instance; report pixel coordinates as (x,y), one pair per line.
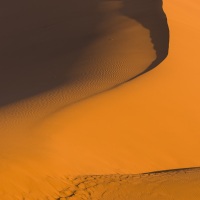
(56,53)
(172,184)
(136,141)
(91,46)
(154,19)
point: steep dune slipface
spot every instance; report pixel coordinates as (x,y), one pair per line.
(140,127)
(56,53)
(69,51)
(153,19)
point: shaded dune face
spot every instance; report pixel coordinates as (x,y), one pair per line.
(85,48)
(154,20)
(40,41)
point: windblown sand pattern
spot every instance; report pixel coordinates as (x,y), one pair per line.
(172,184)
(54,54)
(68,50)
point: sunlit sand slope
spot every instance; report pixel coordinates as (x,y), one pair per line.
(180,184)
(151,123)
(167,185)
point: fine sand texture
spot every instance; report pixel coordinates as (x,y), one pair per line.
(54,54)
(68,50)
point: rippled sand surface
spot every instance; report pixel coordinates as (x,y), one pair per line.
(54,54)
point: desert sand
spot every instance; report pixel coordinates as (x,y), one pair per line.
(56,142)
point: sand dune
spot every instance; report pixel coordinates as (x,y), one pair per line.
(173,184)
(65,56)
(178,184)
(53,151)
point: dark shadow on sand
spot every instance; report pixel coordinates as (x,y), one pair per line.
(188,169)
(151,15)
(35,48)
(37,39)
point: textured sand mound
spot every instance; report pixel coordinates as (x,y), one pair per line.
(178,184)
(175,184)
(151,123)
(68,50)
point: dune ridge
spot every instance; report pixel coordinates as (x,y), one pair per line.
(98,58)
(169,184)
(149,124)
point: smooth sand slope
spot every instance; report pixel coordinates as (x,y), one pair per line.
(148,124)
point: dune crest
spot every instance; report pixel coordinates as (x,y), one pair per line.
(50,151)
(61,61)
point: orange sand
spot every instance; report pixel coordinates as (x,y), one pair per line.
(148,124)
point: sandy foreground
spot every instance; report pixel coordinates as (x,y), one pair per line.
(93,148)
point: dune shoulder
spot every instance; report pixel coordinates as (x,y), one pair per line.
(151,123)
